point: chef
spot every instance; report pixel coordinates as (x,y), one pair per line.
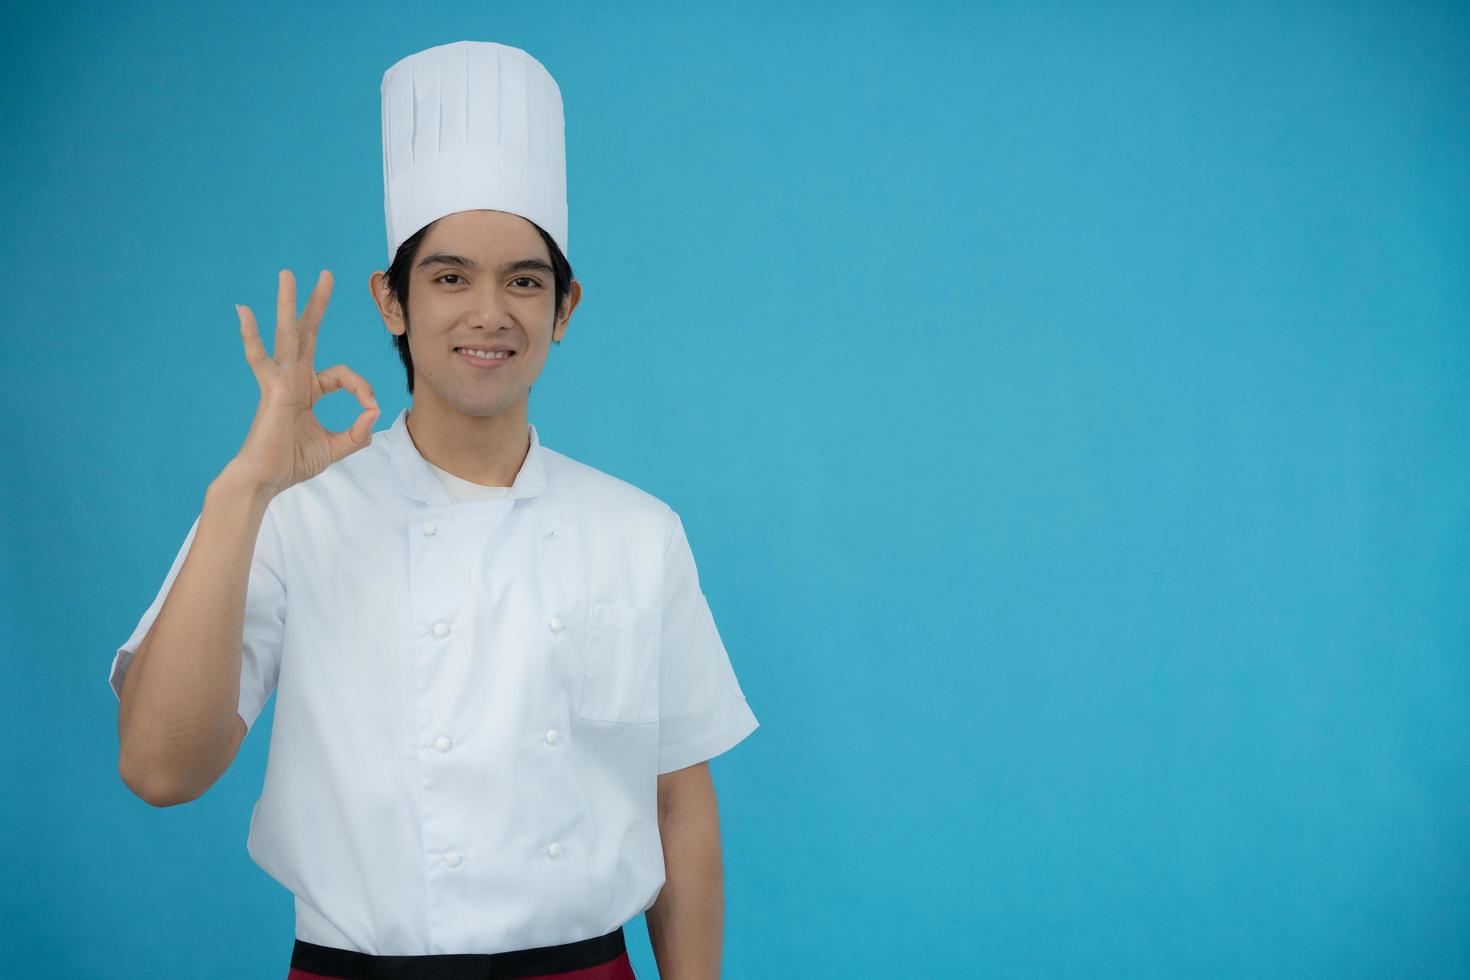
(498,681)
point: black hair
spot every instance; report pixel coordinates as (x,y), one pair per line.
(400,271)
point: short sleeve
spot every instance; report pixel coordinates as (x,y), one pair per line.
(265,620)
(702,710)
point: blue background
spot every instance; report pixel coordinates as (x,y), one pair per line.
(1066,404)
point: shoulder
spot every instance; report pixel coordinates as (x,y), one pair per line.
(609,497)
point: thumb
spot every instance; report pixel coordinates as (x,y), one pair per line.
(359,436)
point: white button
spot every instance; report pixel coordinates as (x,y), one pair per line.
(441,743)
(552,735)
(555,624)
(452,860)
(551,532)
(440,629)
(554,849)
(427,527)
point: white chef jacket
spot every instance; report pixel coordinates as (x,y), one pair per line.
(473,699)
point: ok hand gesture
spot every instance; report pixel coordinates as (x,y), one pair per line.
(286,444)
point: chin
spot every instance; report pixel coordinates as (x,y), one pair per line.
(485,409)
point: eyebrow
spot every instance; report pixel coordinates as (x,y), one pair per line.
(519,265)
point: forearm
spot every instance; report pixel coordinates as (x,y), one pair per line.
(177,711)
(686,923)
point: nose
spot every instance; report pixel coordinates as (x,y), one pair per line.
(491,311)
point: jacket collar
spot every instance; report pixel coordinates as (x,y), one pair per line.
(415,478)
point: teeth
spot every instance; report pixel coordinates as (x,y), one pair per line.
(488,355)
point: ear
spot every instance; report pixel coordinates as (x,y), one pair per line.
(569,303)
(386,303)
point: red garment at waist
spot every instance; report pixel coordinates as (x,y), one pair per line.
(598,958)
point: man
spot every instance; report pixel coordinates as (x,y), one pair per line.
(497,680)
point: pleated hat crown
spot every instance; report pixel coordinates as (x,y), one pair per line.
(472,125)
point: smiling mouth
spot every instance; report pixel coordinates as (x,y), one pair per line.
(481,363)
(490,357)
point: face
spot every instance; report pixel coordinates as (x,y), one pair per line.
(481,279)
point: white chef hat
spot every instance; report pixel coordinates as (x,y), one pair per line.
(472,125)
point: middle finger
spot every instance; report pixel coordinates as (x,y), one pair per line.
(311,319)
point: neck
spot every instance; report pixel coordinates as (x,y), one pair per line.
(487,450)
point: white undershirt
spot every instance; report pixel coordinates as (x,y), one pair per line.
(465,490)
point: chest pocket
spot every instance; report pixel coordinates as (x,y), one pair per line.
(620,681)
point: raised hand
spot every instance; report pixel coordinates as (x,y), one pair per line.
(286,444)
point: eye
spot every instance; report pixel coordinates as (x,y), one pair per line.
(528,279)
(446,276)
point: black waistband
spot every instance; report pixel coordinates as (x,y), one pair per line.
(332,962)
